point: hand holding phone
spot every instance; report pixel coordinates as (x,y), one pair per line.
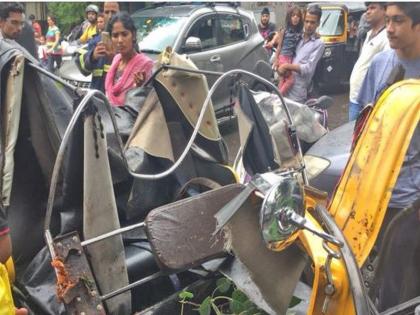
(106,40)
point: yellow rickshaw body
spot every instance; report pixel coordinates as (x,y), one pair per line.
(361,199)
(362,196)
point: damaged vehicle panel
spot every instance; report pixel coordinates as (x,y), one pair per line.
(127,216)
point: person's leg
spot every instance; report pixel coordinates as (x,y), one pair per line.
(50,63)
(394,280)
(58,60)
(354,110)
(287,83)
(283,85)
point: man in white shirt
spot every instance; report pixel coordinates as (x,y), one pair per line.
(375,42)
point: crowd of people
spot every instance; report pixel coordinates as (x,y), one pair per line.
(112,56)
(298,49)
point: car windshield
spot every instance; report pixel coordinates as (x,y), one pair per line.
(154,34)
(332,22)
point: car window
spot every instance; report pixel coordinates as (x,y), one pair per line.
(232,29)
(155,33)
(205,29)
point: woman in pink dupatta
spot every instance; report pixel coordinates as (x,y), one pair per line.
(129,68)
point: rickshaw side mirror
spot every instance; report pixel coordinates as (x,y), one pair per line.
(283,214)
(282,200)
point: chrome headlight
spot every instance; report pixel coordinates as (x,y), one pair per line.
(283,200)
(315,165)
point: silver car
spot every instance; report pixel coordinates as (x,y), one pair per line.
(217,37)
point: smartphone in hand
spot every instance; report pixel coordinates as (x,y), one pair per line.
(106,40)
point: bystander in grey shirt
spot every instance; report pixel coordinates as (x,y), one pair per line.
(307,56)
(407,188)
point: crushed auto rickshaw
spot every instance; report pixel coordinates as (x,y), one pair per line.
(117,243)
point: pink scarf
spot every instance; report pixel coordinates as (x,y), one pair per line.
(116,92)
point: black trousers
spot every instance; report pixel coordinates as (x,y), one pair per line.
(397,278)
(54,59)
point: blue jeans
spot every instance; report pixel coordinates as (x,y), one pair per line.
(354,110)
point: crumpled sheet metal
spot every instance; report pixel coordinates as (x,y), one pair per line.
(151,125)
(189,90)
(100,216)
(10,112)
(305,119)
(275,274)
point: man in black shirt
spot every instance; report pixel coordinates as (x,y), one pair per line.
(265,26)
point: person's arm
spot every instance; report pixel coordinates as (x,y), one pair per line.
(308,67)
(149,69)
(279,39)
(5,243)
(5,248)
(83,39)
(142,76)
(85,63)
(368,88)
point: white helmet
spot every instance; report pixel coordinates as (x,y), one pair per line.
(92,8)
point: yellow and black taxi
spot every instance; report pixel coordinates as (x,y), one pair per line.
(337,30)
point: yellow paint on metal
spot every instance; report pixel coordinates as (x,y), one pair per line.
(362,196)
(341,302)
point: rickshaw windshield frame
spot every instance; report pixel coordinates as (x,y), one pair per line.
(332,22)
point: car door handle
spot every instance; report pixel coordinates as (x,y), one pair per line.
(215,58)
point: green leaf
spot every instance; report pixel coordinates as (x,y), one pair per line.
(295,301)
(237,305)
(205,306)
(239,295)
(185,295)
(223,285)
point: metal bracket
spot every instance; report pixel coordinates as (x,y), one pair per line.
(76,286)
(329,289)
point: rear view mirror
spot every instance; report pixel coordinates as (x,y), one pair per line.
(283,214)
(193,44)
(282,200)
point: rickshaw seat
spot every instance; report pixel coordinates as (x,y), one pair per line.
(181,233)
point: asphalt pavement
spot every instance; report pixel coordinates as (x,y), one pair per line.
(337,115)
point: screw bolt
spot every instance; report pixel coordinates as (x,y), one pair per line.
(329,289)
